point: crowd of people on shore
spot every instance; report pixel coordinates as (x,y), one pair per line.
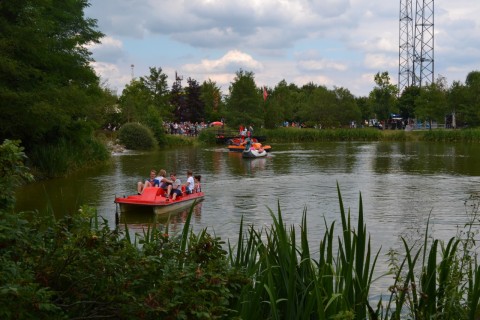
(173,185)
(186,128)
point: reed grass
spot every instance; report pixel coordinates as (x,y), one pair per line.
(305,135)
(290,284)
(59,159)
(434,280)
(368,134)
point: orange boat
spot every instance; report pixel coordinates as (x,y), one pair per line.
(238,145)
(154,197)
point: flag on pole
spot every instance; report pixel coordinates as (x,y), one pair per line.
(265,94)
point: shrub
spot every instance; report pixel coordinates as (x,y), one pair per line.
(12,172)
(136,136)
(62,157)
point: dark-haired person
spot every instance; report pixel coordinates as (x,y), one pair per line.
(150,182)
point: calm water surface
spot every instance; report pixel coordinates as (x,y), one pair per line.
(400,183)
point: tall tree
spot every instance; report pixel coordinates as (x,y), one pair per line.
(431,104)
(195,106)
(157,87)
(245,102)
(347,107)
(178,102)
(48,89)
(472,83)
(406,102)
(383,96)
(213,102)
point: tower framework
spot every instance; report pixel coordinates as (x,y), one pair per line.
(416,44)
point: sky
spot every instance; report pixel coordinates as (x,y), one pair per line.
(333,43)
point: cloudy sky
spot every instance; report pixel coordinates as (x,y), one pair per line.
(335,43)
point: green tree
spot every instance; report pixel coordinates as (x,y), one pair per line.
(275,105)
(383,96)
(157,87)
(458,105)
(347,107)
(319,107)
(133,101)
(146,100)
(365,108)
(195,106)
(178,102)
(211,97)
(245,102)
(431,104)
(472,83)
(406,102)
(48,88)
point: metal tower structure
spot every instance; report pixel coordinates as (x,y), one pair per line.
(416,49)
(405,53)
(423,62)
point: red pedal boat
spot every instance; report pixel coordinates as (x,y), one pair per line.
(238,145)
(154,197)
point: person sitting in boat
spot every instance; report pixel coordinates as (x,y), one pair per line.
(189,185)
(150,182)
(162,181)
(175,189)
(198,186)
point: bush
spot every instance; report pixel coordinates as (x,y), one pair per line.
(136,136)
(62,157)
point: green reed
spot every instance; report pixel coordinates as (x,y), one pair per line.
(437,280)
(307,135)
(465,135)
(370,134)
(289,283)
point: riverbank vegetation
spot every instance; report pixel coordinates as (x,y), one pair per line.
(77,267)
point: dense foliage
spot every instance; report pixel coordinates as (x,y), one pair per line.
(135,136)
(49,92)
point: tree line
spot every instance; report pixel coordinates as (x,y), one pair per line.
(49,92)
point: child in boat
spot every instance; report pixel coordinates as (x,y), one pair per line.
(189,185)
(162,181)
(150,182)
(175,189)
(197,187)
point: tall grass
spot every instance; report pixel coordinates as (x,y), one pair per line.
(290,284)
(466,135)
(304,135)
(436,280)
(369,134)
(59,159)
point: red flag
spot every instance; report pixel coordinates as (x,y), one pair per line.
(265,94)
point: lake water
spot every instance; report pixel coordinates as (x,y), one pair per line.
(401,184)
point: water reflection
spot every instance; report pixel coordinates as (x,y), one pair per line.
(140,220)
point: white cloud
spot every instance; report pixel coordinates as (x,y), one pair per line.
(346,41)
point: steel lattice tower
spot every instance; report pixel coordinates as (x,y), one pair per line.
(416,50)
(405,53)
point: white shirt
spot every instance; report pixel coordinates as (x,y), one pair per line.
(190,184)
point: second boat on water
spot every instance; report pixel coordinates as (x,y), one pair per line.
(238,145)
(253,150)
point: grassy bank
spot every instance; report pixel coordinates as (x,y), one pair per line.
(368,134)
